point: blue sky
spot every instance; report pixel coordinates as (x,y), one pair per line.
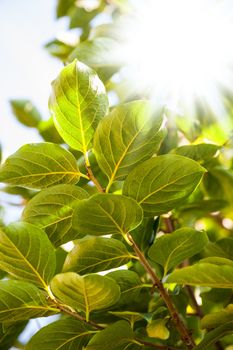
(26,69)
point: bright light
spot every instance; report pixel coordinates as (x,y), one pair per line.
(180,51)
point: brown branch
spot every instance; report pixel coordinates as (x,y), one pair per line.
(94,179)
(184,333)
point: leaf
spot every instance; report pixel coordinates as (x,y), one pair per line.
(21,301)
(9,332)
(129,316)
(118,336)
(216,319)
(40,165)
(162,183)
(221,248)
(130,285)
(85,293)
(94,254)
(216,260)
(170,250)
(128,136)
(26,253)
(52,210)
(104,214)
(202,151)
(63,7)
(206,274)
(26,113)
(61,335)
(158,329)
(48,131)
(78,102)
(213,336)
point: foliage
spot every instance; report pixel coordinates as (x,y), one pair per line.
(119,183)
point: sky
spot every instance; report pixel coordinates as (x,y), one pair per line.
(26,69)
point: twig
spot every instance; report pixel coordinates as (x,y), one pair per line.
(94,179)
(184,333)
(155,346)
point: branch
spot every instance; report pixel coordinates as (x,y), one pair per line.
(155,346)
(184,333)
(90,174)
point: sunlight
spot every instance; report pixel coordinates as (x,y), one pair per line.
(180,51)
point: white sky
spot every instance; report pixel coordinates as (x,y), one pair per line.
(26,69)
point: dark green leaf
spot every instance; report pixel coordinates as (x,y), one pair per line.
(78,102)
(61,335)
(26,112)
(9,332)
(216,319)
(118,336)
(128,136)
(206,274)
(162,183)
(85,293)
(52,210)
(104,214)
(40,165)
(21,301)
(171,249)
(94,254)
(26,253)
(213,336)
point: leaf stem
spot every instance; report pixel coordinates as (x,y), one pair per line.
(184,333)
(91,176)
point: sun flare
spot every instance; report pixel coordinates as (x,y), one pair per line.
(180,51)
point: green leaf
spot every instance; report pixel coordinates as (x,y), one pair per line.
(104,214)
(162,183)
(221,248)
(96,53)
(213,336)
(40,165)
(61,335)
(59,49)
(52,210)
(85,293)
(78,102)
(200,152)
(26,253)
(170,250)
(206,274)
(21,301)
(9,332)
(94,254)
(130,285)
(48,131)
(26,112)
(63,7)
(216,319)
(128,136)
(158,329)
(118,336)
(216,260)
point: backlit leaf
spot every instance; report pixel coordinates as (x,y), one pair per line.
(94,254)
(61,335)
(162,183)
(25,112)
(85,293)
(26,253)
(22,301)
(52,210)
(170,250)
(40,165)
(206,274)
(129,135)
(104,214)
(78,102)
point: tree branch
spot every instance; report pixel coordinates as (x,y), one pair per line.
(184,333)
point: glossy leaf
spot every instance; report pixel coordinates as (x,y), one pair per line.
(40,165)
(9,332)
(26,253)
(52,210)
(213,336)
(26,112)
(94,254)
(78,102)
(118,336)
(85,293)
(104,214)
(129,135)
(21,301)
(162,183)
(170,250)
(61,335)
(216,319)
(206,274)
